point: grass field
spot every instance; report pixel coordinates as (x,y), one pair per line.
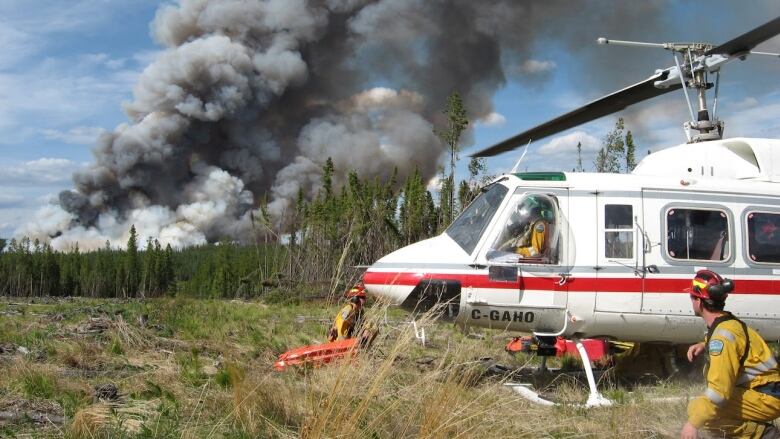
(199,369)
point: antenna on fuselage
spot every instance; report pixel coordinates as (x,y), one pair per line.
(517,165)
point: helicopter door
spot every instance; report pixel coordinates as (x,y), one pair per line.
(528,245)
(619,286)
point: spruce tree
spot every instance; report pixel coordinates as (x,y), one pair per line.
(132,264)
(168,274)
(51,271)
(225,281)
(630,152)
(445,203)
(579,167)
(327,178)
(148,278)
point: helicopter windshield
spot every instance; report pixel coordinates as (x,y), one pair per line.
(529,233)
(470,225)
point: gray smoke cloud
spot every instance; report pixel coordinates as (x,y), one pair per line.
(249,98)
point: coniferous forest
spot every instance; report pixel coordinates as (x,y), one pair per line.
(326,242)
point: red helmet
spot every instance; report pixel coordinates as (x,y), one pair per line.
(708,285)
(357,291)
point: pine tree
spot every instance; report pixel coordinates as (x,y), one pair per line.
(612,150)
(468,190)
(412,214)
(457,123)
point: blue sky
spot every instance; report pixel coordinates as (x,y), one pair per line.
(67,67)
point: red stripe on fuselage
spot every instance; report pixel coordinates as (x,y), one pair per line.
(573,284)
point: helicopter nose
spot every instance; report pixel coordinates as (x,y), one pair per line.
(392,286)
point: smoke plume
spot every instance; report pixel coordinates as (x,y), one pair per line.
(249,98)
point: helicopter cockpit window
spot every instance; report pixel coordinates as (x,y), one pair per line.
(470,225)
(697,234)
(763,230)
(618,231)
(530,233)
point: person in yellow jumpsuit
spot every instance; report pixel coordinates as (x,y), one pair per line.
(743,382)
(530,241)
(349,317)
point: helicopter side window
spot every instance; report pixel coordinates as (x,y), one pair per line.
(618,231)
(529,233)
(763,230)
(470,225)
(697,234)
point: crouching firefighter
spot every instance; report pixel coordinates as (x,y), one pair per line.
(743,382)
(349,319)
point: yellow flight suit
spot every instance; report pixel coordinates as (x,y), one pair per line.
(733,403)
(345,322)
(531,243)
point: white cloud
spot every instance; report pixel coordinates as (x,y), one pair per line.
(146,57)
(748,102)
(46,86)
(759,121)
(567,144)
(104,60)
(76,136)
(492,120)
(43,171)
(535,67)
(16,44)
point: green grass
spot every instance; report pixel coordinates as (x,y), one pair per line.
(36,384)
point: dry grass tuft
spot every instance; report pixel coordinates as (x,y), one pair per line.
(129,336)
(111,418)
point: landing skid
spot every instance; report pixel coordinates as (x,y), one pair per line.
(595,399)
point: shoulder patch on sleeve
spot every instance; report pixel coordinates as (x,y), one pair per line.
(539,227)
(715,347)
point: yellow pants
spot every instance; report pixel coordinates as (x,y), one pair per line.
(746,415)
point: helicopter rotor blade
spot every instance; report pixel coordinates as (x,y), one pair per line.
(601,107)
(742,44)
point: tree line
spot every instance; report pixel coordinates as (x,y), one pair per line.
(326,238)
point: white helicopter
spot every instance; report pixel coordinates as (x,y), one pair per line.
(618,250)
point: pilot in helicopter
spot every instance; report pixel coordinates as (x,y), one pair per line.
(529,229)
